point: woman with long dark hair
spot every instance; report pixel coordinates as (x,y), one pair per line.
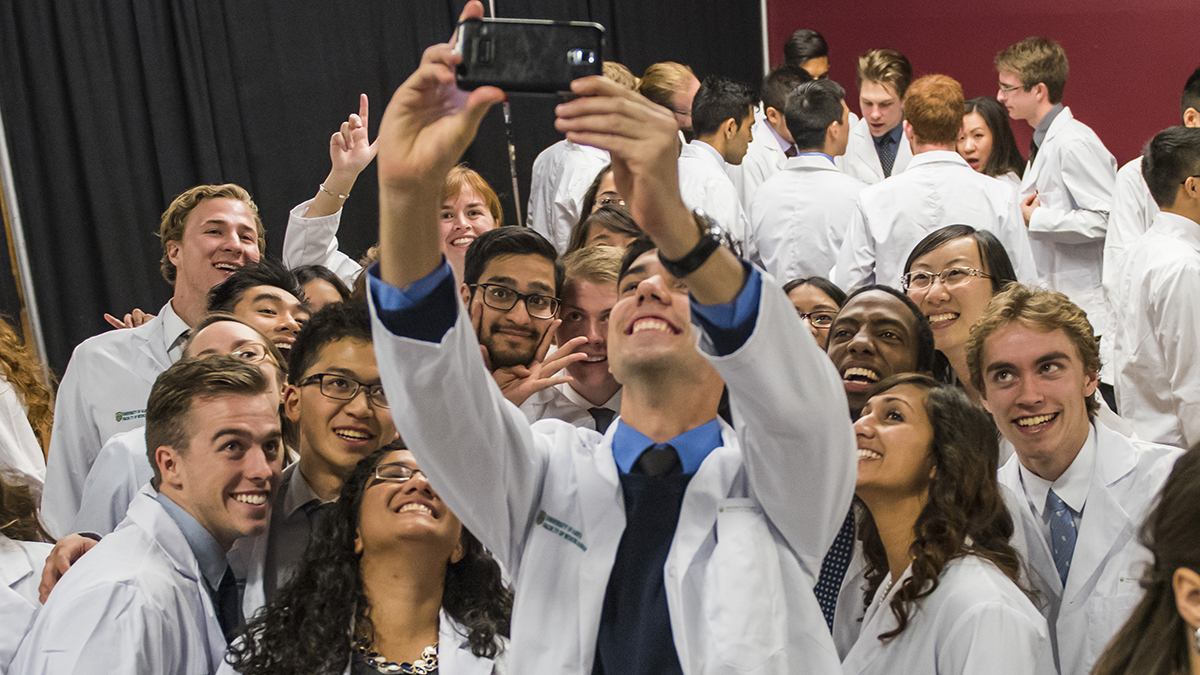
(390,580)
(1162,636)
(24,545)
(942,594)
(987,141)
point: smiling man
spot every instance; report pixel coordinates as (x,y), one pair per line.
(1077,490)
(158,595)
(207,233)
(266,295)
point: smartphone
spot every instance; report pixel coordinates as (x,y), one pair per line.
(522,55)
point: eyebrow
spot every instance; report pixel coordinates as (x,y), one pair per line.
(1052,356)
(897,399)
(337,370)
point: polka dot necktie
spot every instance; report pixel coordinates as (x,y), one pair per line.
(833,569)
(1062,534)
(887,155)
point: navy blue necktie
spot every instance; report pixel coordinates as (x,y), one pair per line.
(229,613)
(833,569)
(1062,534)
(887,154)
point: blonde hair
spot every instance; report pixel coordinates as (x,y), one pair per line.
(174,219)
(934,108)
(886,66)
(621,75)
(1034,60)
(27,376)
(661,80)
(599,265)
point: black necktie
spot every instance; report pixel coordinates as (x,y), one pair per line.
(659,459)
(603,417)
(887,155)
(791,151)
(229,613)
(833,569)
(1033,148)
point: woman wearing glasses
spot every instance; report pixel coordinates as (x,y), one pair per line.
(392,583)
(952,274)
(817,300)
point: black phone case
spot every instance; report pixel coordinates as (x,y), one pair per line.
(528,56)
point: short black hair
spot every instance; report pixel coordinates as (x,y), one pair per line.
(307,273)
(991,252)
(1191,93)
(820,283)
(719,99)
(267,272)
(804,45)
(810,109)
(1168,160)
(337,321)
(779,83)
(925,347)
(636,249)
(509,241)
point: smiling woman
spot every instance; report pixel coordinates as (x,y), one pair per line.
(389,530)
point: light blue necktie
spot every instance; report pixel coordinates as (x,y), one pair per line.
(1062,534)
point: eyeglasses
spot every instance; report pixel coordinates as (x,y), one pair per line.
(952,277)
(1004,88)
(817,319)
(611,201)
(344,388)
(504,298)
(396,473)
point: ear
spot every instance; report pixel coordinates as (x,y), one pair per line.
(1191,118)
(464,292)
(1089,387)
(728,128)
(983,400)
(458,553)
(774,116)
(358,545)
(169,466)
(908,131)
(172,247)
(291,402)
(1041,91)
(1186,584)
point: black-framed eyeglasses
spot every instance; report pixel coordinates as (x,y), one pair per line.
(345,388)
(1009,89)
(396,473)
(504,298)
(821,319)
(951,277)
(611,201)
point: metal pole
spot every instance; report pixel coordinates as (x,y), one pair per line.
(24,270)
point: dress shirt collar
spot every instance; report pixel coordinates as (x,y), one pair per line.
(1072,487)
(932,156)
(173,328)
(711,151)
(895,134)
(816,154)
(209,554)
(1039,135)
(613,403)
(1179,227)
(692,445)
(783,144)
(299,493)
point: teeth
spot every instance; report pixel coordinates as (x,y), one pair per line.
(860,372)
(595,359)
(255,499)
(863,453)
(416,507)
(462,241)
(1034,421)
(227,266)
(948,316)
(283,345)
(651,324)
(352,435)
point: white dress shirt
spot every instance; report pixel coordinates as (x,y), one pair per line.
(799,217)
(562,174)
(938,189)
(1158,337)
(561,402)
(103,391)
(703,184)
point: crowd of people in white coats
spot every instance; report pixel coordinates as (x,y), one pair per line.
(761,387)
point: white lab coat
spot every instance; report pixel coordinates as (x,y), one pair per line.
(120,470)
(754,526)
(21,564)
(562,174)
(1102,588)
(862,162)
(799,217)
(703,184)
(561,402)
(1133,212)
(764,158)
(976,622)
(938,189)
(1158,338)
(136,604)
(20,451)
(313,241)
(1074,175)
(103,391)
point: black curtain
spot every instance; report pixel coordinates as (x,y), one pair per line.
(112,108)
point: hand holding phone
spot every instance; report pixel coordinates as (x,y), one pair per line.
(529,56)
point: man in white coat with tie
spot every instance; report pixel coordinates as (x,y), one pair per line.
(1077,490)
(158,595)
(877,149)
(1066,193)
(629,550)
(800,215)
(939,188)
(772,144)
(207,233)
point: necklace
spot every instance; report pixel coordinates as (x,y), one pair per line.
(428,663)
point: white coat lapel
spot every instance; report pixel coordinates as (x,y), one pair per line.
(1027,532)
(1105,526)
(454,655)
(604,521)
(864,151)
(150,338)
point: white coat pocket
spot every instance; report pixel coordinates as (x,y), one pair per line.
(746,610)
(1106,615)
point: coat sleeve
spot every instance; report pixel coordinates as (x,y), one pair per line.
(1176,322)
(110,486)
(74,442)
(793,424)
(313,241)
(1089,176)
(1016,240)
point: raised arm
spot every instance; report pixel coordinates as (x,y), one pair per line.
(350,151)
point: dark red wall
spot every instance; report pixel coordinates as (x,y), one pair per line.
(1129,58)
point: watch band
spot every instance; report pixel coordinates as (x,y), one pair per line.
(709,242)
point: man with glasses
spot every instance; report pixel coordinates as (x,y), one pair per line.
(937,189)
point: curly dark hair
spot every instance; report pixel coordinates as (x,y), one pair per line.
(964,513)
(307,627)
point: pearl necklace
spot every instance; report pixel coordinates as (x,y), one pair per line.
(428,662)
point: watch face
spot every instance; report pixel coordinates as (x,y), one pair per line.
(710,227)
